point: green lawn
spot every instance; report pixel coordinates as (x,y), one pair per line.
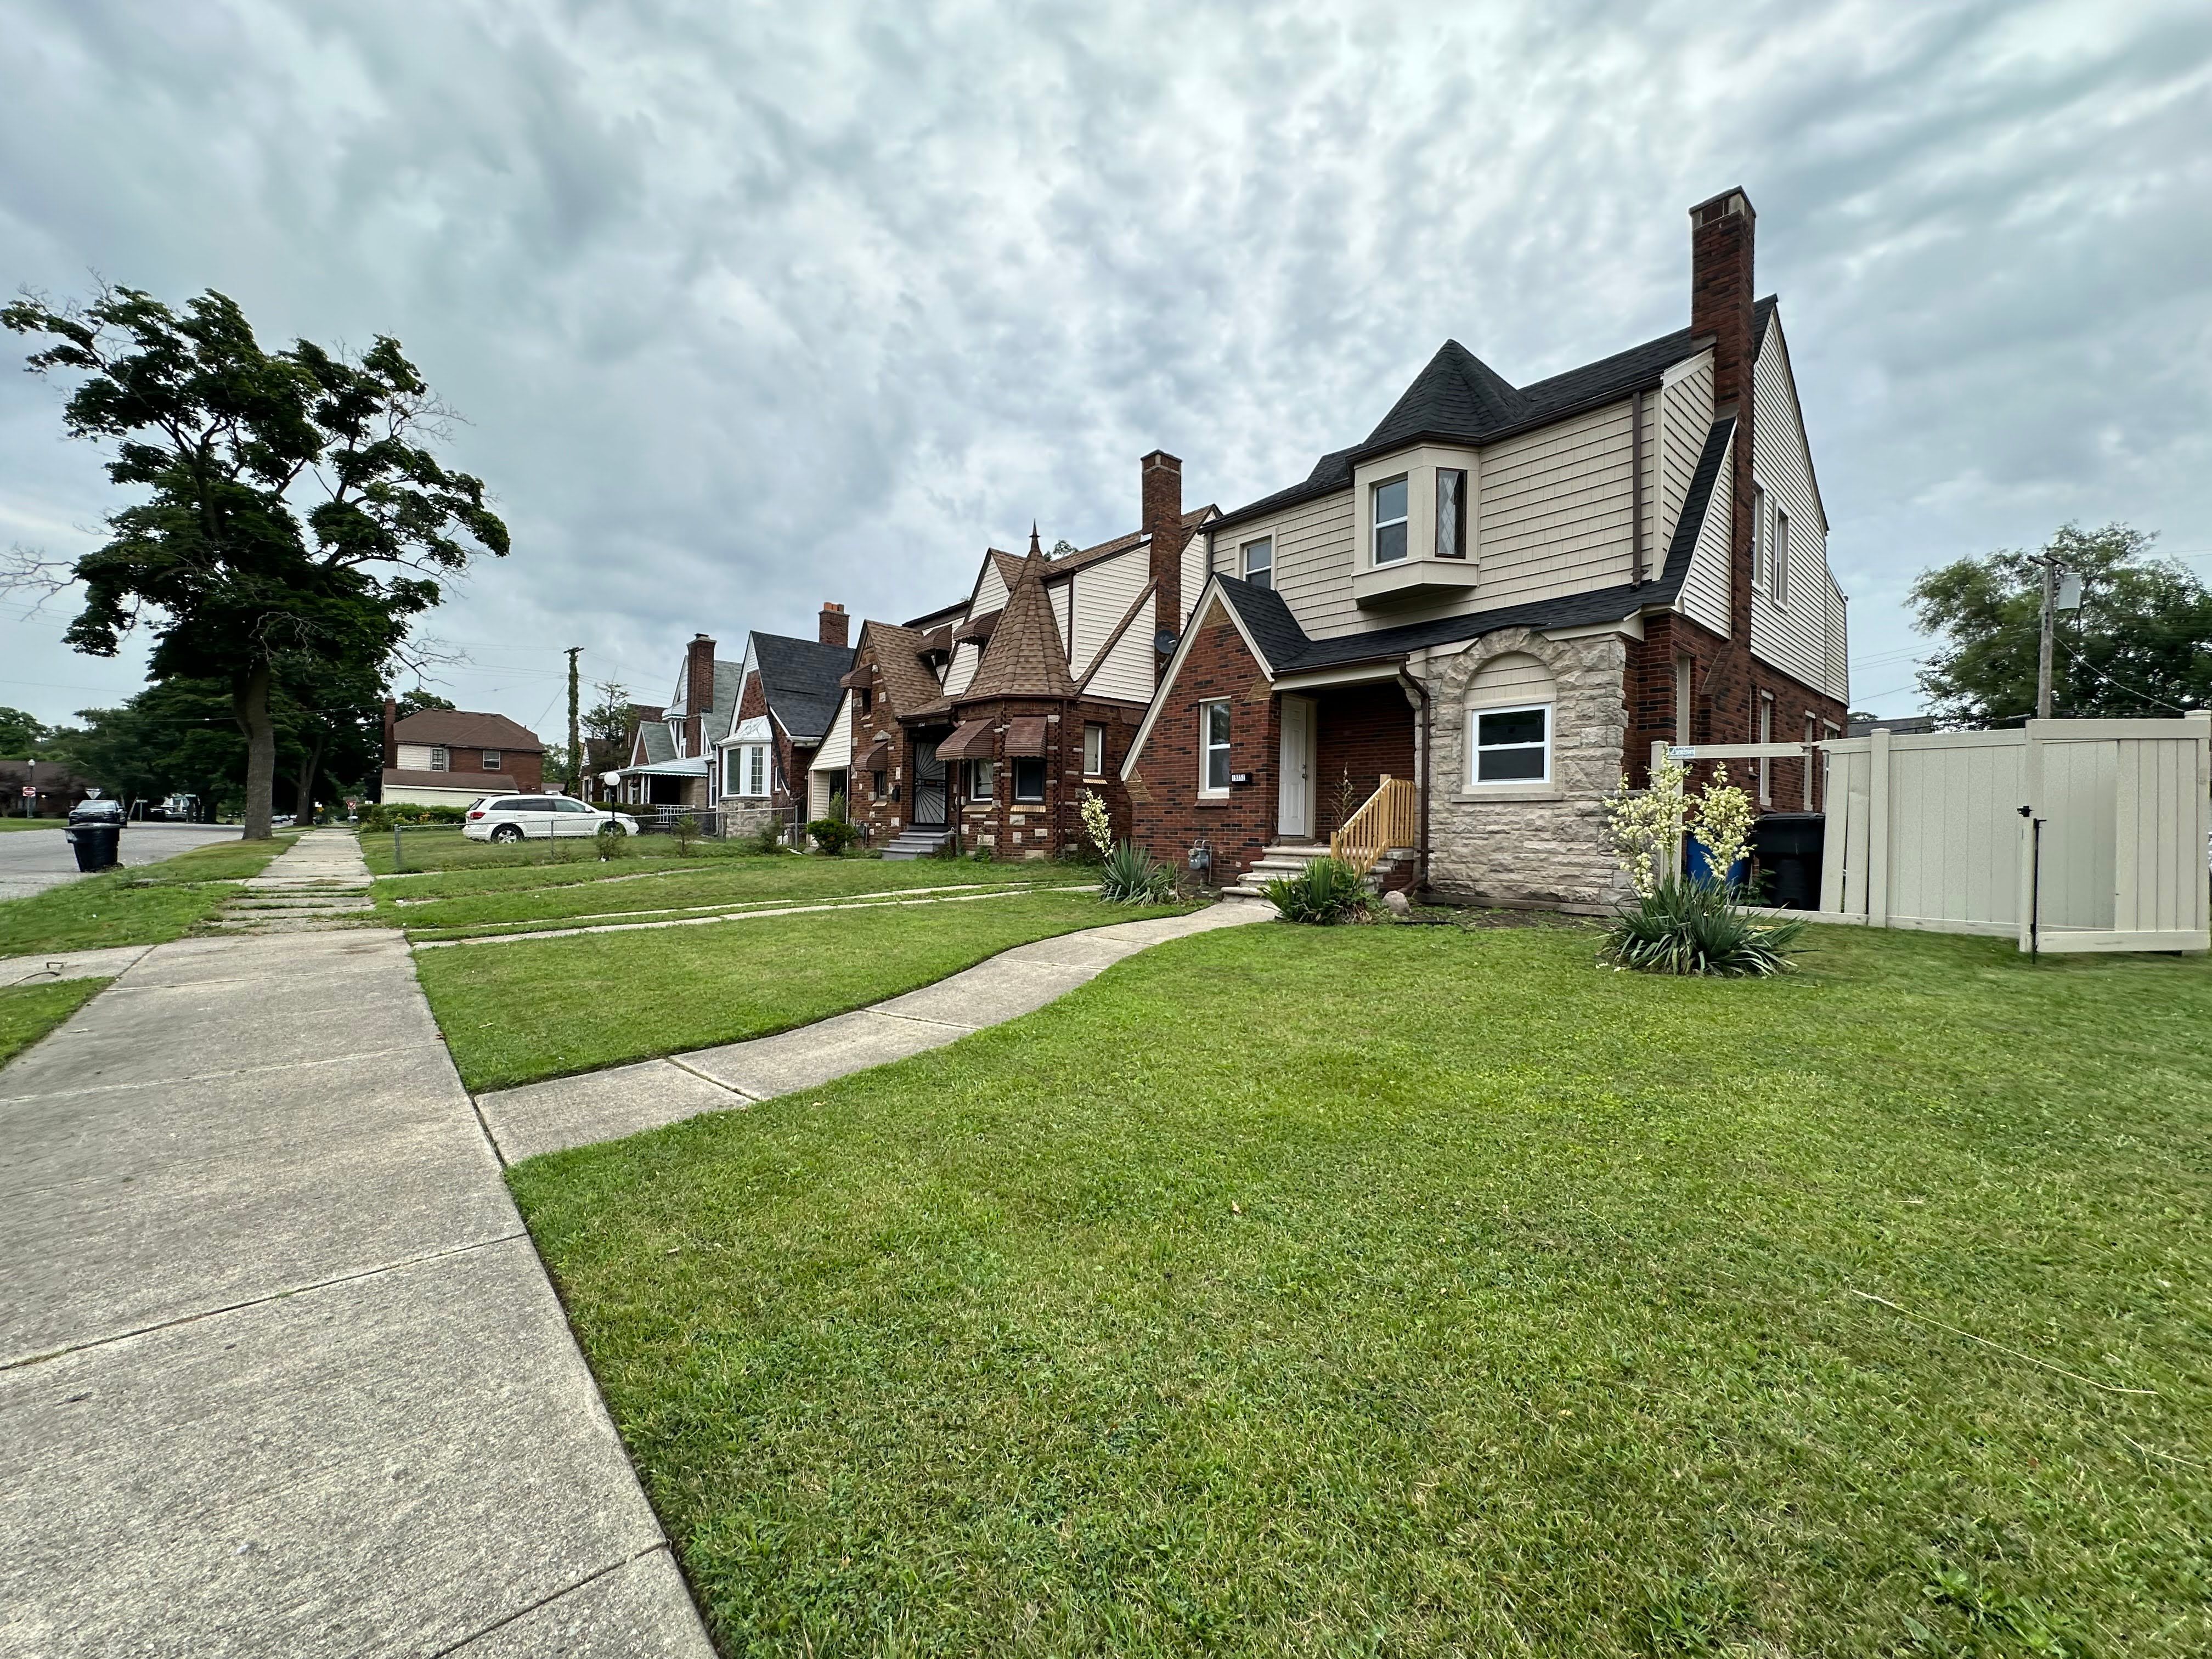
(447,848)
(514,1013)
(30,823)
(28,1012)
(561,894)
(1413,1291)
(149,905)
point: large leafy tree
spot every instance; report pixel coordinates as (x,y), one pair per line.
(288,515)
(2139,645)
(21,734)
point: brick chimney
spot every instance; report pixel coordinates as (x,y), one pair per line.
(391,734)
(834,624)
(1162,523)
(698,692)
(1722,302)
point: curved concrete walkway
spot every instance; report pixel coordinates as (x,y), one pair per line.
(576,1111)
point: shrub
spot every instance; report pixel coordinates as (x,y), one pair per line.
(613,839)
(389,814)
(1133,876)
(686,831)
(767,840)
(1692,927)
(833,835)
(1327,890)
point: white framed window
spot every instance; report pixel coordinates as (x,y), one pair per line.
(1389,499)
(1451,513)
(1778,559)
(1028,777)
(491,759)
(980,780)
(1509,745)
(1683,669)
(1094,749)
(1257,560)
(441,758)
(1812,755)
(1214,747)
(745,772)
(1762,550)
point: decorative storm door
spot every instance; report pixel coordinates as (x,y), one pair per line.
(929,803)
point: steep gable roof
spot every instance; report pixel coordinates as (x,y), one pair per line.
(898,652)
(799,680)
(1025,658)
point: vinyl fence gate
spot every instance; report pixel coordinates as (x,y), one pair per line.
(2065,835)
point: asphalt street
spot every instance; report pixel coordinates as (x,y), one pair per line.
(31,860)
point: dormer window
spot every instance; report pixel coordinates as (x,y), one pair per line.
(1259,563)
(1390,498)
(1451,513)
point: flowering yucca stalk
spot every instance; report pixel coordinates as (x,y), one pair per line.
(1723,824)
(1646,826)
(1097,823)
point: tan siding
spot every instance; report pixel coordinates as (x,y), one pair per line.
(415,757)
(1837,682)
(1685,416)
(1313,561)
(1512,678)
(1062,595)
(962,668)
(1555,512)
(1791,635)
(837,751)
(990,591)
(1103,593)
(1193,573)
(1128,669)
(1705,589)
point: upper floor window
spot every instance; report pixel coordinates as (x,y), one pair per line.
(867,698)
(676,737)
(1094,749)
(1762,546)
(491,759)
(1778,559)
(1511,745)
(440,758)
(1259,563)
(1390,499)
(1451,513)
(1213,746)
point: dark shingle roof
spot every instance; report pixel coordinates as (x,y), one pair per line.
(460,728)
(1289,651)
(1024,657)
(659,744)
(1458,398)
(799,678)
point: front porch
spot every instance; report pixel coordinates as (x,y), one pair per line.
(1343,766)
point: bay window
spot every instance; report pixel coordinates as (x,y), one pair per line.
(1389,498)
(1451,513)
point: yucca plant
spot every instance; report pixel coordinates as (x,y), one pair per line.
(1694,927)
(1327,890)
(1133,876)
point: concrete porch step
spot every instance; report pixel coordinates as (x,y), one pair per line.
(916,844)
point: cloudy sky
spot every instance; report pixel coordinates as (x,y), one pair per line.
(748,307)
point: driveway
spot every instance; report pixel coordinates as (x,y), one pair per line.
(31,860)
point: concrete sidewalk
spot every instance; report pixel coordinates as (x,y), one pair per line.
(280,1372)
(576,1111)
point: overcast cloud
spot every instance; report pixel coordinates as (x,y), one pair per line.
(750,308)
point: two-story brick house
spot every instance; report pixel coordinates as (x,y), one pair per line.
(787,700)
(986,721)
(451,757)
(1502,596)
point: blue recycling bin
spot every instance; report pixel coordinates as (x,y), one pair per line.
(1701,867)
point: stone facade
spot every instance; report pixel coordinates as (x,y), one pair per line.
(1548,845)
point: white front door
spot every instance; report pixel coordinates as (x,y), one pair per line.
(1294,808)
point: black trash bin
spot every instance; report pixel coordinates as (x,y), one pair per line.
(95,830)
(1787,846)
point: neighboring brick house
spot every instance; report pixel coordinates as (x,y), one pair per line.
(985,723)
(449,756)
(605,757)
(671,754)
(1504,596)
(789,699)
(54,788)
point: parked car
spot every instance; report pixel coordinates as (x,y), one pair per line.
(511,818)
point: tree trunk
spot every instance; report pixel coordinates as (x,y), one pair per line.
(250,702)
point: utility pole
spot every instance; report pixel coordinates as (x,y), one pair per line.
(575,731)
(2043,647)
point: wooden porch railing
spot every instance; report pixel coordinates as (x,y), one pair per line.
(1386,820)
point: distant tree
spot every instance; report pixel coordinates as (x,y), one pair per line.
(175,737)
(2139,645)
(21,734)
(415,702)
(608,719)
(288,517)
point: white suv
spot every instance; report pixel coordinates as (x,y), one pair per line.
(511,818)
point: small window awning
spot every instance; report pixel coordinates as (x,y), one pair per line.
(860,679)
(1025,735)
(877,757)
(971,741)
(978,629)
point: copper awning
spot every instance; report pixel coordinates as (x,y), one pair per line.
(972,741)
(1025,735)
(979,630)
(876,757)
(864,675)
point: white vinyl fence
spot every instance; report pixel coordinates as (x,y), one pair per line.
(2066,834)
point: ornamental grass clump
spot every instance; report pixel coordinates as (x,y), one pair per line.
(1680,924)
(1133,876)
(1327,890)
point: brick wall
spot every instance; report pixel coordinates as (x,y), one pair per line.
(1164,795)
(1013,828)
(1365,731)
(1726,685)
